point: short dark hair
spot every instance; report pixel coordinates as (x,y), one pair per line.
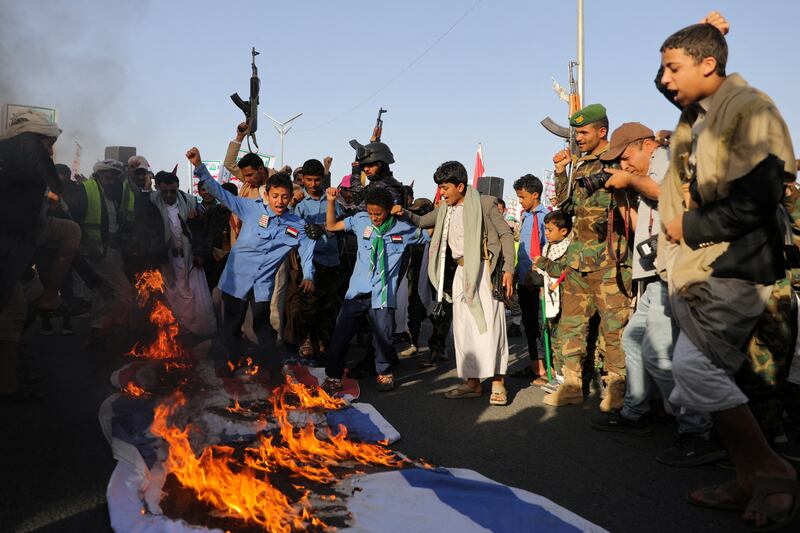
(313,167)
(251,160)
(166,178)
(231,188)
(700,41)
(279,180)
(559,219)
(379,196)
(529,183)
(64,172)
(451,172)
(502,202)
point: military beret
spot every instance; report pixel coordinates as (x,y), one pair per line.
(587,115)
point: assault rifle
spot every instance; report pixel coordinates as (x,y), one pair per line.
(378,129)
(250,107)
(574,100)
(567,133)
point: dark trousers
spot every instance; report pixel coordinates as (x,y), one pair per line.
(530,305)
(416,311)
(318,309)
(234,312)
(441,327)
(348,324)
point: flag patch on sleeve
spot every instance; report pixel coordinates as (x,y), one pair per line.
(294,232)
(368,232)
(263,221)
(397,239)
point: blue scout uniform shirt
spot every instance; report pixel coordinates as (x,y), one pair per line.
(326,248)
(524,263)
(263,243)
(396,240)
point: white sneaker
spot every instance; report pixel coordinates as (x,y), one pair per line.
(408,352)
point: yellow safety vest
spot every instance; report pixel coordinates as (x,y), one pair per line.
(92,241)
(128,203)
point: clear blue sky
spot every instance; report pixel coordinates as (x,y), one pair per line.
(157,75)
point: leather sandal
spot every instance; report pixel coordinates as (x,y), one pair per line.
(462,391)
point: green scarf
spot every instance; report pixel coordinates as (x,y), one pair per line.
(377,258)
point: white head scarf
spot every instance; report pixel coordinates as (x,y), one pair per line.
(33,122)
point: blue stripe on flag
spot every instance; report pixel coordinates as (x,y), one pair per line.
(130,423)
(490,505)
(359,425)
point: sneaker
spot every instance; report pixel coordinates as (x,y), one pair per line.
(409,352)
(332,385)
(433,359)
(514,331)
(788,447)
(617,423)
(691,450)
(384,383)
(47,328)
(306,349)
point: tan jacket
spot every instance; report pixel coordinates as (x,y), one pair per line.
(247,191)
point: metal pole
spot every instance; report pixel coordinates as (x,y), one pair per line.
(581,61)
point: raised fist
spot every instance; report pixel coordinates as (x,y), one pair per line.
(193,155)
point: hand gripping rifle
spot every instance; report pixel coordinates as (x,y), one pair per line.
(250,107)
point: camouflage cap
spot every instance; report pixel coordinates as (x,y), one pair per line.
(589,114)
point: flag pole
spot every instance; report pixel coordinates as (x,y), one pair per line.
(546,334)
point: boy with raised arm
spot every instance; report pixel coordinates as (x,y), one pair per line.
(382,240)
(269,232)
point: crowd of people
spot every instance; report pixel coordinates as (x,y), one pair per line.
(663,274)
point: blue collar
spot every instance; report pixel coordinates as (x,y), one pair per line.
(307,196)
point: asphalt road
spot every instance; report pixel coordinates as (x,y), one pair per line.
(55,462)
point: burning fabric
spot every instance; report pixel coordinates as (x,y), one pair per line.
(200,452)
(149,284)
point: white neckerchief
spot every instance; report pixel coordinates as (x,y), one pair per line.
(443,254)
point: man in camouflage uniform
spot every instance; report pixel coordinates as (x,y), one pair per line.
(598,264)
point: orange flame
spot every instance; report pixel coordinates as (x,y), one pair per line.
(133,390)
(237,494)
(307,456)
(173,365)
(148,283)
(166,345)
(236,407)
(235,487)
(310,398)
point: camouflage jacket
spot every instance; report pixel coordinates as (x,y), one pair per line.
(591,242)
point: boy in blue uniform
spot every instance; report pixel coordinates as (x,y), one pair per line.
(382,240)
(531,242)
(315,313)
(269,232)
